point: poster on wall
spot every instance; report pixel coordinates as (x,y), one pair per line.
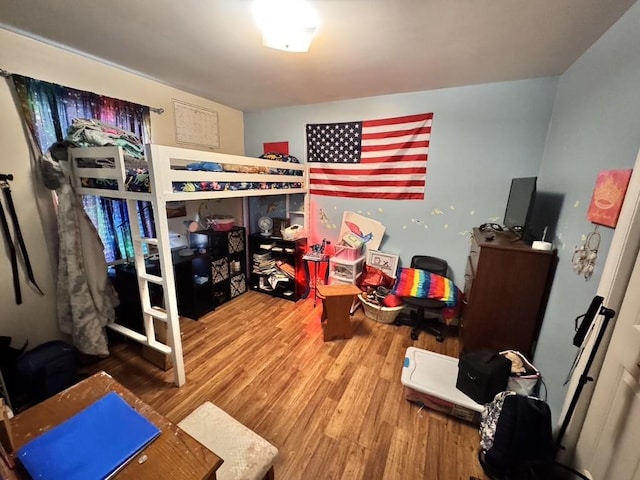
(196,125)
(369,230)
(608,195)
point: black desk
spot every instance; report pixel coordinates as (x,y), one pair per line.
(194,299)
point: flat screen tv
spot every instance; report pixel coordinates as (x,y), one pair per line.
(520,204)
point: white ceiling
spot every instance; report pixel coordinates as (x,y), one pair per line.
(363,48)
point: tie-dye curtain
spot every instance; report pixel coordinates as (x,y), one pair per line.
(49,110)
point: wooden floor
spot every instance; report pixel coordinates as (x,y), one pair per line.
(335,410)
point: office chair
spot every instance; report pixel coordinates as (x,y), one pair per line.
(425,306)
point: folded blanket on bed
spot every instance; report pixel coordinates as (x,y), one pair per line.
(89,132)
(413,282)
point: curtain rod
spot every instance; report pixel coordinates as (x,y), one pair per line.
(158,110)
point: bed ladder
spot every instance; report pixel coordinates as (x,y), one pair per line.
(166,281)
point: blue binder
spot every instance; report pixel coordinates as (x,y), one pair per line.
(93,444)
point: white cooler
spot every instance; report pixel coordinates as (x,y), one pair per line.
(430,380)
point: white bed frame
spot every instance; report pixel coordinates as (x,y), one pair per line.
(162,162)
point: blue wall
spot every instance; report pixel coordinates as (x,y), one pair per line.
(482,136)
(563,130)
(595,126)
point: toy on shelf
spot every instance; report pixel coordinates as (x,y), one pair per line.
(316,252)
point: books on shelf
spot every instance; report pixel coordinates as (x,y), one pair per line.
(286,268)
(263,263)
(95,443)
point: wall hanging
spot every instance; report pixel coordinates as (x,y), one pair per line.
(585,255)
(608,195)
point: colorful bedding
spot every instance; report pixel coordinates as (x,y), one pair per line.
(137,178)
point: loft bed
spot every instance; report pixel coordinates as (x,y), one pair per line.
(174,174)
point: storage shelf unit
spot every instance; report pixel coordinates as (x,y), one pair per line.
(277,267)
(228,263)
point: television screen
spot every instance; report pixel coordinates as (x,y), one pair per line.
(519,204)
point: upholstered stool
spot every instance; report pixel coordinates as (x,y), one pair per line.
(246,455)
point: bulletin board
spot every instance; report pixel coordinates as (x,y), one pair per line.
(196,125)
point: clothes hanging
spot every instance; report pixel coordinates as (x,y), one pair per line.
(11,245)
(86,300)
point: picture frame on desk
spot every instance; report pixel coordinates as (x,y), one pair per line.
(387,262)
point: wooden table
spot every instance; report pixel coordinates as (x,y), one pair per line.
(173,455)
(336,306)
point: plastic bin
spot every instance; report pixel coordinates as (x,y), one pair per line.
(221,223)
(430,380)
(347,253)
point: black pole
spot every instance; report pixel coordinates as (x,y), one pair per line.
(584,378)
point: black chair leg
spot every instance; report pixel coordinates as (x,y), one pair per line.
(419,324)
(415,332)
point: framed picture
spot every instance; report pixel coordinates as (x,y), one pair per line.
(608,195)
(387,262)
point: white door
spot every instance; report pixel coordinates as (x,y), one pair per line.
(611,448)
(602,426)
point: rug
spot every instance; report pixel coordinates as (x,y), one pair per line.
(246,455)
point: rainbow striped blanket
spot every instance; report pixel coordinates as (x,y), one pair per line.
(413,282)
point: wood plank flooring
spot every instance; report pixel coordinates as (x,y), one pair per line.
(335,410)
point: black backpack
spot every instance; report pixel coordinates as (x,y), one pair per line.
(516,439)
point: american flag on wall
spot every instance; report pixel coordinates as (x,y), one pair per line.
(384,159)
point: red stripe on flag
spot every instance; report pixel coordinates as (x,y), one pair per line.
(368,171)
(396,146)
(391,121)
(375,195)
(369,183)
(395,158)
(397,133)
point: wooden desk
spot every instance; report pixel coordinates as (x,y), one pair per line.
(336,305)
(173,455)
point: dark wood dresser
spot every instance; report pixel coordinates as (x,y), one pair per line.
(506,289)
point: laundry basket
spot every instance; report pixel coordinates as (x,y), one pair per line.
(379,313)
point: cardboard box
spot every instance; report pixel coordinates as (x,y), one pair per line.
(159,359)
(443,406)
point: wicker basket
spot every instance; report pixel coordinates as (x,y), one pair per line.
(379,313)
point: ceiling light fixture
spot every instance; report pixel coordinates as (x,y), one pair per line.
(287,25)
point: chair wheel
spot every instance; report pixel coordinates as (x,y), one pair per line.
(414,335)
(439,339)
